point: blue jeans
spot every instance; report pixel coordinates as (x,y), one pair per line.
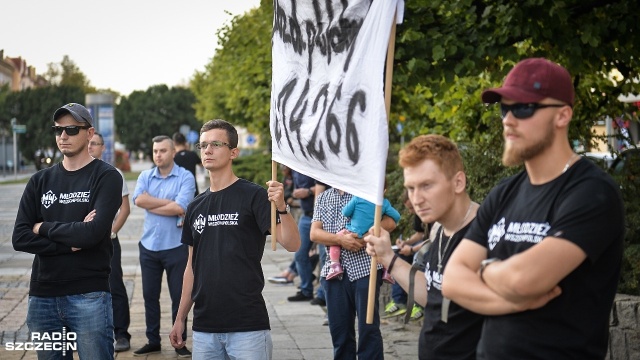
(322,251)
(152,266)
(345,301)
(250,345)
(398,294)
(87,315)
(303,263)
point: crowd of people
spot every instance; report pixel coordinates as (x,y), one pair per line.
(530,272)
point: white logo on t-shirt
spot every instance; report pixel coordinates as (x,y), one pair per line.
(495,233)
(48,199)
(198,223)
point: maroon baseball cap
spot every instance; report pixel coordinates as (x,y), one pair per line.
(532,80)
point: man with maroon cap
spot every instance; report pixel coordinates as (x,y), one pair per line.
(542,260)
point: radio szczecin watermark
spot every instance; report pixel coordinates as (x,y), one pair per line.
(49,341)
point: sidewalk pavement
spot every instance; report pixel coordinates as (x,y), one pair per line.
(296,327)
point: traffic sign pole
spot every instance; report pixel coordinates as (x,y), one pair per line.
(15,154)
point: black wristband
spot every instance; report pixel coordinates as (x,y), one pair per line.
(393,261)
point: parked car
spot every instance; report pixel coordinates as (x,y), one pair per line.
(604,159)
(627,163)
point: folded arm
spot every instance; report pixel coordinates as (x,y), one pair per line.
(462,284)
(534,272)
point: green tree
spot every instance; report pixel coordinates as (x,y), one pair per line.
(69,74)
(34,108)
(157,111)
(236,85)
(448,51)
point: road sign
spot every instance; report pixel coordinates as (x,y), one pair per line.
(19,129)
(193,136)
(251,139)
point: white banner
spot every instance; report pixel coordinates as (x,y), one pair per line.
(328,117)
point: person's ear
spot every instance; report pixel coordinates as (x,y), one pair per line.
(235,152)
(460,182)
(563,116)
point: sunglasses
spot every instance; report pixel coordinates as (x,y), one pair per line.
(524,111)
(216,145)
(70,130)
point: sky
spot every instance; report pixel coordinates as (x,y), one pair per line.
(124,45)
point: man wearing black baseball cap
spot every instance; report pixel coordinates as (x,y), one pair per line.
(64,219)
(77,111)
(543,257)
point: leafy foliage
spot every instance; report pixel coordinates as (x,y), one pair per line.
(236,85)
(67,73)
(34,108)
(157,111)
(255,167)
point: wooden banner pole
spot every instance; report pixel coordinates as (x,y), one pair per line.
(388,73)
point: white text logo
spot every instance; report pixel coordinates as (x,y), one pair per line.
(48,341)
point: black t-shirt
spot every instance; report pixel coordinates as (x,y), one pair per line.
(418,225)
(583,206)
(227,230)
(458,337)
(188,160)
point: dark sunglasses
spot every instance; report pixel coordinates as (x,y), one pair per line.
(70,130)
(216,144)
(524,111)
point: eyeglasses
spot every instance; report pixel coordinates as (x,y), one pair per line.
(524,111)
(70,130)
(93,143)
(216,145)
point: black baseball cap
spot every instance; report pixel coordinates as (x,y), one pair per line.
(79,112)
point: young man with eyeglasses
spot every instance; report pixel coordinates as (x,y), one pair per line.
(120,300)
(225,229)
(164,192)
(543,257)
(64,219)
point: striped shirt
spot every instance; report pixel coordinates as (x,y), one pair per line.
(328,211)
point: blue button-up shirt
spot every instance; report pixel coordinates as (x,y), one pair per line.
(161,232)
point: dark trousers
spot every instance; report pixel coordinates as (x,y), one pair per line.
(347,300)
(152,265)
(120,300)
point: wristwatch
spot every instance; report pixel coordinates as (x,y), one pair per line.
(286,210)
(113,235)
(484,263)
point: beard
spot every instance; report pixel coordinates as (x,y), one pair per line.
(514,156)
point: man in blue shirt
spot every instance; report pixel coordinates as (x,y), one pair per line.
(303,190)
(164,192)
